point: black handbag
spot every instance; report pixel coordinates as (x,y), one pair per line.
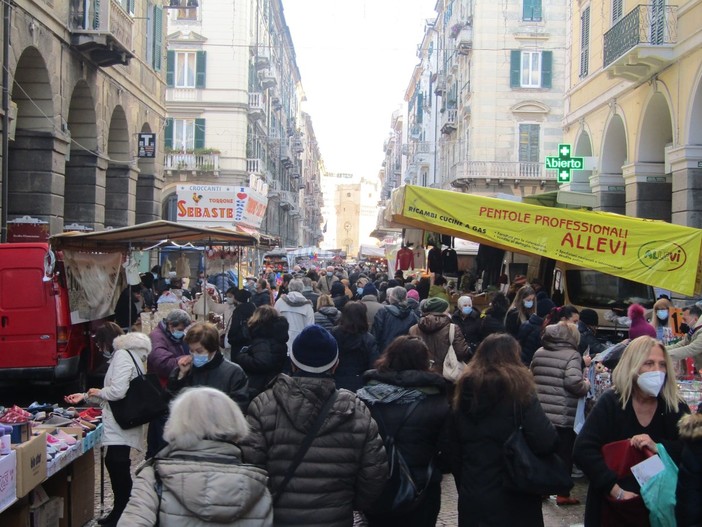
(532,474)
(144,401)
(400,494)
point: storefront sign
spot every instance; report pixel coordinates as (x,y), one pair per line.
(147,145)
(26,229)
(564,163)
(220,205)
(647,251)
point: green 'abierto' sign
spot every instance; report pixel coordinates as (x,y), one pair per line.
(564,163)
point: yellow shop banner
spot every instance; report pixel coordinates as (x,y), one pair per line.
(647,251)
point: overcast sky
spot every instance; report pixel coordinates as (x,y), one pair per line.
(356,58)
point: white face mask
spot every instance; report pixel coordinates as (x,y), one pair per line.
(651,382)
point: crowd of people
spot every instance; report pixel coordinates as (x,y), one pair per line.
(318,390)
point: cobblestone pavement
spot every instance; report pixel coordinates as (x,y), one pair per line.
(554,516)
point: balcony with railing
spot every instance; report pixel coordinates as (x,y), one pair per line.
(102,31)
(192,162)
(642,42)
(464,41)
(256,106)
(450,121)
(499,171)
(254,166)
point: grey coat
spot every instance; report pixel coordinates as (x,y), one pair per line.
(558,373)
(344,469)
(207,486)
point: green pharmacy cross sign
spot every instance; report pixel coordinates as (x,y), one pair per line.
(564,163)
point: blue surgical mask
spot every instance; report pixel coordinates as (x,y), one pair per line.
(467,310)
(178,334)
(360,291)
(662,314)
(200,360)
(528,304)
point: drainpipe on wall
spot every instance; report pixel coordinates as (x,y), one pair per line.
(6,8)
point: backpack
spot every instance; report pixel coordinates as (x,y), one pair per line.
(400,494)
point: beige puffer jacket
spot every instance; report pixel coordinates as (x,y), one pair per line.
(344,469)
(558,373)
(204,487)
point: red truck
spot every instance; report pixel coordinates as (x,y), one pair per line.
(38,343)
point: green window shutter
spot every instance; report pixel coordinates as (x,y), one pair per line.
(130,6)
(420,108)
(168,133)
(170,68)
(515,68)
(546,68)
(536,10)
(199,133)
(200,69)
(158,38)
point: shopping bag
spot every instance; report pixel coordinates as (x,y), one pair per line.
(620,456)
(658,493)
(452,367)
(579,416)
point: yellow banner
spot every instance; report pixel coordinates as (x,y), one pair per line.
(647,251)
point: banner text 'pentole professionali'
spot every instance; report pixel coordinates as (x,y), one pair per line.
(647,251)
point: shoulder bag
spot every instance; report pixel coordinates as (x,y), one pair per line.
(532,474)
(306,443)
(144,401)
(453,368)
(400,494)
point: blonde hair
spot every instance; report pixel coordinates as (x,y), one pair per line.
(324,301)
(661,303)
(518,302)
(204,413)
(627,370)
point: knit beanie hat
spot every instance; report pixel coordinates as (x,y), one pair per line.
(369,289)
(639,326)
(314,350)
(242,295)
(589,317)
(435,305)
(412,293)
(544,307)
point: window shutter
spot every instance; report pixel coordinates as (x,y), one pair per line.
(158,37)
(420,107)
(546,68)
(515,68)
(170,68)
(617,10)
(200,69)
(130,6)
(199,133)
(168,133)
(585,42)
(536,10)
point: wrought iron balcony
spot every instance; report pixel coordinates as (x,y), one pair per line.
(451,121)
(192,162)
(641,43)
(102,31)
(262,59)
(464,42)
(470,171)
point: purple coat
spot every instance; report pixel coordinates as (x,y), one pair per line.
(163,358)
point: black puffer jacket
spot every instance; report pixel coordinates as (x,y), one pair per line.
(327,317)
(588,341)
(265,355)
(344,469)
(390,322)
(493,321)
(529,337)
(424,436)
(357,353)
(477,438)
(238,334)
(470,327)
(262,298)
(218,373)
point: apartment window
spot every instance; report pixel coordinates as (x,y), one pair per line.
(529,143)
(188,13)
(184,134)
(530,69)
(531,10)
(617,10)
(585,42)
(127,5)
(186,69)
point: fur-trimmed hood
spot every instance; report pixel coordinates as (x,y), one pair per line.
(690,427)
(134,341)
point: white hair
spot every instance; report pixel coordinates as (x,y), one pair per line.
(396,295)
(204,413)
(296,285)
(464,301)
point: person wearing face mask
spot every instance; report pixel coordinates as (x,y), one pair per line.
(660,320)
(691,343)
(523,306)
(236,333)
(467,318)
(206,366)
(167,346)
(644,406)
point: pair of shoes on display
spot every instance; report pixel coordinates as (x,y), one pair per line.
(91,414)
(40,407)
(11,417)
(56,442)
(567,500)
(68,413)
